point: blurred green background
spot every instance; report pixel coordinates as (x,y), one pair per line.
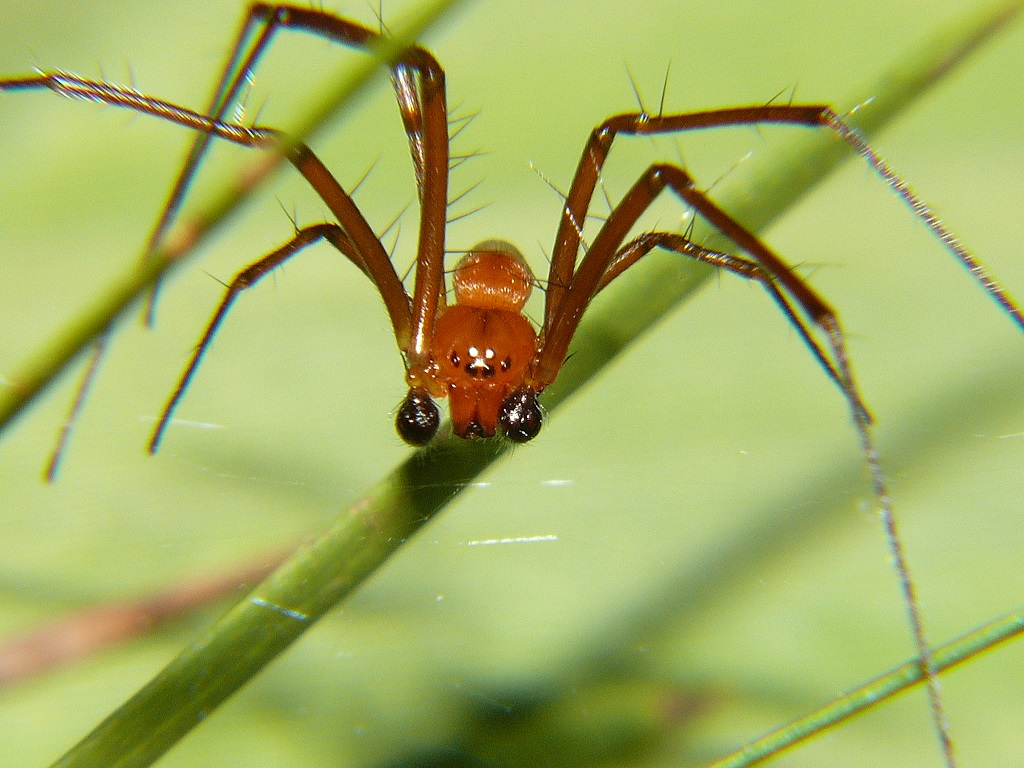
(708,529)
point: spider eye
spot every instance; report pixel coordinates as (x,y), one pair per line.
(418,418)
(520,416)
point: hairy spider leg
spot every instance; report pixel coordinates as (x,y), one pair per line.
(588,279)
(749,269)
(258,29)
(418,81)
(247,278)
(571,289)
(365,250)
(577,203)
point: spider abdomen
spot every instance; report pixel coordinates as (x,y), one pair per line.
(493,275)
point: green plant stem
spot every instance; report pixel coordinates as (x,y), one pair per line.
(881,688)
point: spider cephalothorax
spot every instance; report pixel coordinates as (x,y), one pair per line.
(481,354)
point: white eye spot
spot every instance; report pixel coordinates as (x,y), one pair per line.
(489,353)
(473,352)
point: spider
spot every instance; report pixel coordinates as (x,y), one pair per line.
(481,352)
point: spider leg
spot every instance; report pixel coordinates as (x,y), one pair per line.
(96,354)
(226,92)
(605,253)
(577,203)
(595,153)
(419,85)
(360,243)
(635,249)
(261,23)
(245,279)
(371,258)
(570,290)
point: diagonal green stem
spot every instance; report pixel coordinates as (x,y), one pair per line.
(881,688)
